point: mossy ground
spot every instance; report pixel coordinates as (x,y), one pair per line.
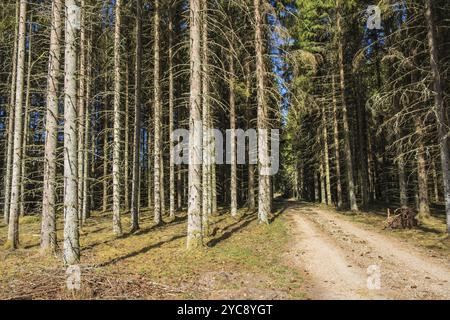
(241,260)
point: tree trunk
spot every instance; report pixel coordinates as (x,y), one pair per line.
(161,176)
(212,155)
(10,132)
(186,186)
(263,149)
(323,192)
(422,177)
(171,122)
(233,147)
(48,227)
(149,162)
(206,165)
(157,119)
(337,154)
(347,145)
(26,125)
(440,108)
(213,187)
(105,178)
(87,133)
(117,161)
(126,157)
(373,169)
(316,187)
(179,187)
(437,197)
(402,181)
(71,232)
(13,230)
(362,145)
(326,156)
(135,187)
(251,203)
(384,181)
(298,192)
(81,107)
(93,158)
(194,234)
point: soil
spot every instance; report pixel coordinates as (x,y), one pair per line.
(335,255)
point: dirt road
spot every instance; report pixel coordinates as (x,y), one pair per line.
(335,255)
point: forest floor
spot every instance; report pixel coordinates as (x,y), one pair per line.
(242,260)
(307,252)
(335,249)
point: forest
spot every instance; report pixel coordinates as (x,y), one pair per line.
(224,149)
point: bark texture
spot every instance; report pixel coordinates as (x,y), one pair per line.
(263,148)
(71,233)
(194,234)
(13,227)
(117,159)
(48,227)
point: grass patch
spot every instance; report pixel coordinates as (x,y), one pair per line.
(241,259)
